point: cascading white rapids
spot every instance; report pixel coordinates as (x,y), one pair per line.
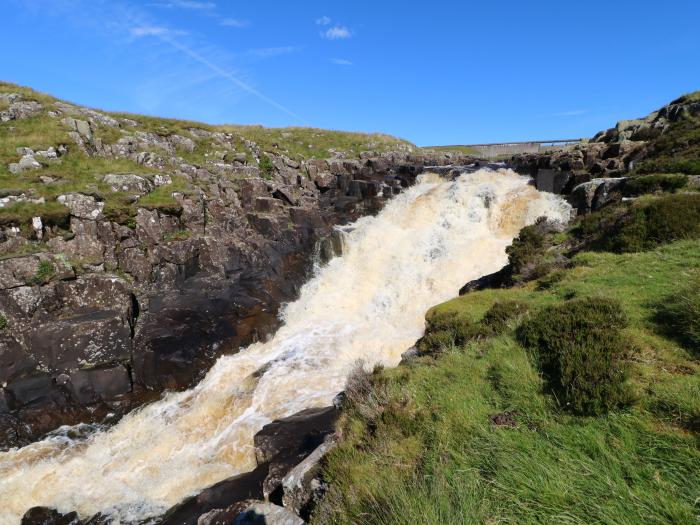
(368,304)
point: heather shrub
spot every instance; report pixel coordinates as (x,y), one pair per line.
(526,249)
(690,166)
(662,220)
(668,182)
(446,329)
(496,320)
(580,351)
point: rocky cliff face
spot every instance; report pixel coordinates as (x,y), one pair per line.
(592,170)
(116,286)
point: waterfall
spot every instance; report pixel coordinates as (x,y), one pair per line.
(369,303)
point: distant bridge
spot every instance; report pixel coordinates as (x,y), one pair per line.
(506,149)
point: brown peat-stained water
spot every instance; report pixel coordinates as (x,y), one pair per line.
(367,304)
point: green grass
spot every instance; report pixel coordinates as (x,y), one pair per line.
(27,93)
(44,273)
(265,166)
(164,126)
(52,213)
(433,455)
(179,235)
(73,172)
(680,313)
(162,197)
(466,150)
(305,143)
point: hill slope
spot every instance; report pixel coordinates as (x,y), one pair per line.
(564,388)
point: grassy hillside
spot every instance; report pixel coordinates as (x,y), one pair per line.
(572,396)
(459,149)
(76,170)
(474,436)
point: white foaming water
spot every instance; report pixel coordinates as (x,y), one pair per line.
(368,304)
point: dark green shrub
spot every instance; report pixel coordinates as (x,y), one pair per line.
(445,329)
(599,222)
(265,166)
(3,322)
(550,280)
(679,315)
(689,166)
(641,185)
(526,248)
(660,221)
(580,351)
(496,319)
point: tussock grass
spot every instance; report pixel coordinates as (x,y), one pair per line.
(679,314)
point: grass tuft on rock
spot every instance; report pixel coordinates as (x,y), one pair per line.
(44,273)
(265,166)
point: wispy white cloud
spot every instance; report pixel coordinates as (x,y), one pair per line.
(342,62)
(184,4)
(207,63)
(337,33)
(146,30)
(571,113)
(234,22)
(194,55)
(323,21)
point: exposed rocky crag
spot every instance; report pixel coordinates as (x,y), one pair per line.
(128,284)
(592,170)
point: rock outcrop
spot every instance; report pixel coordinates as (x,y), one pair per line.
(589,170)
(288,452)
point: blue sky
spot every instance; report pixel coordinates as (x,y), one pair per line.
(444,72)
